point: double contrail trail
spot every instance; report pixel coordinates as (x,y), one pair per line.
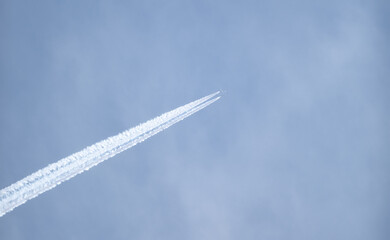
(66,168)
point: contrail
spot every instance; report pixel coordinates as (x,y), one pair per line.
(66,168)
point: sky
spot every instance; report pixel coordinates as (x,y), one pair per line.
(296,148)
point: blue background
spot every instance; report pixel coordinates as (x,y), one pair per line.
(297,148)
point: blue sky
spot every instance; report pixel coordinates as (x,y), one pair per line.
(297,148)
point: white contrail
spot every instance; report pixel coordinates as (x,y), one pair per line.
(66,168)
